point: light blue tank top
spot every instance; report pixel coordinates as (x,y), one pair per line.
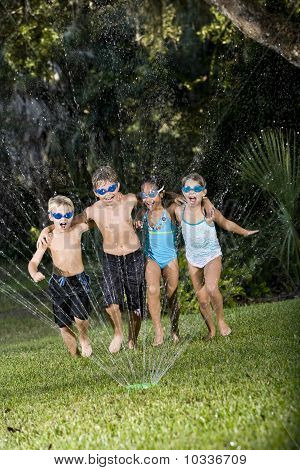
(160,240)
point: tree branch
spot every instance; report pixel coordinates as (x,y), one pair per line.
(271,30)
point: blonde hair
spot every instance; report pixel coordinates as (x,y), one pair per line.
(56,201)
(195,177)
(104,173)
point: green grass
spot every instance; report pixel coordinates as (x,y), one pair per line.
(240,392)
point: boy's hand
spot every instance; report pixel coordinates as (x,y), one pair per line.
(251,232)
(37,277)
(44,238)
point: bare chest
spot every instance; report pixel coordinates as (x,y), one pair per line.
(110,218)
(65,242)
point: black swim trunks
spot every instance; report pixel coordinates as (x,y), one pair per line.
(124,275)
(70,298)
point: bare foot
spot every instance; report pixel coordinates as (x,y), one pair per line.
(75,353)
(210,335)
(86,349)
(175,338)
(159,337)
(224,329)
(116,344)
(131,344)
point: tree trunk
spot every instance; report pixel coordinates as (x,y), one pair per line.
(271,30)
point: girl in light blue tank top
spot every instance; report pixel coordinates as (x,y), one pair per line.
(160,240)
(203,251)
(160,236)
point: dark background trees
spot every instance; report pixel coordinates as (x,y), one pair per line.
(147,86)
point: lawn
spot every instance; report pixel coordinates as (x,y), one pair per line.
(240,392)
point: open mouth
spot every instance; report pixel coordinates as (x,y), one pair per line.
(150,204)
(63,225)
(109,198)
(192,199)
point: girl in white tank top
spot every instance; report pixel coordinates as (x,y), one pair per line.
(203,251)
(201,241)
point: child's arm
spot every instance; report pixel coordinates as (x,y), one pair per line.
(84,227)
(231,226)
(132,198)
(34,264)
(208,207)
(178,213)
(171,197)
(139,201)
(83,217)
(45,236)
(172,211)
(139,217)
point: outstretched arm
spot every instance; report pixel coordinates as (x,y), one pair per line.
(231,226)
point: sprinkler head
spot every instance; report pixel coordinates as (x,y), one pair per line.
(141,386)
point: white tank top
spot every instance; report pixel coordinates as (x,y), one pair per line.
(201,242)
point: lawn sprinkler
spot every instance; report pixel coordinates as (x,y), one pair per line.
(141,386)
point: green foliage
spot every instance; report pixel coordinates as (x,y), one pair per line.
(148,86)
(31,36)
(219,31)
(240,282)
(34,232)
(271,162)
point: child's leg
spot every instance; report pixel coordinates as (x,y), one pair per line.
(212,272)
(134,327)
(171,277)
(197,278)
(114,312)
(133,269)
(153,274)
(69,340)
(82,326)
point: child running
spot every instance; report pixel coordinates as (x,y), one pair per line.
(122,257)
(203,252)
(69,285)
(160,234)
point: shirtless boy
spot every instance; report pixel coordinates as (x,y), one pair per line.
(69,285)
(123,259)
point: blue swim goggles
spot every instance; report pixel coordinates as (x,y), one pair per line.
(197,189)
(152,193)
(110,189)
(58,215)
